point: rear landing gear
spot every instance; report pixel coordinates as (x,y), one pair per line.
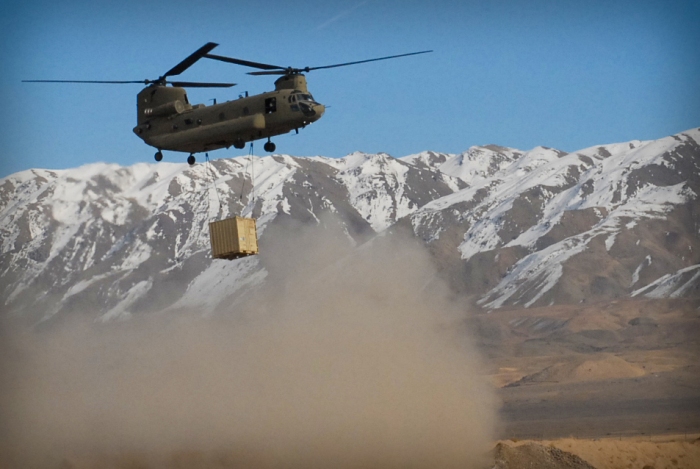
(239,144)
(191,160)
(158,156)
(269,146)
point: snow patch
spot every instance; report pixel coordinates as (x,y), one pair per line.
(539,271)
(610,241)
(221,279)
(635,276)
(121,310)
(672,285)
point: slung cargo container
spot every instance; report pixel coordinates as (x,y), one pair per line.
(233,238)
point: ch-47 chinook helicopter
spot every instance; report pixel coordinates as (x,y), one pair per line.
(167,121)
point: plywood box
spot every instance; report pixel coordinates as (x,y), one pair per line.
(233,238)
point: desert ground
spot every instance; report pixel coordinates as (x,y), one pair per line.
(616,384)
(665,452)
(658,452)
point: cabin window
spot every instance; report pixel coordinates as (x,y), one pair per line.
(222,116)
(188,121)
(246,111)
(270,105)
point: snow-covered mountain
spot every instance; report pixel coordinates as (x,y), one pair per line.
(543,226)
(505,226)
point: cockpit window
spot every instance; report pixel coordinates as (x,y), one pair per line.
(270,105)
(306,97)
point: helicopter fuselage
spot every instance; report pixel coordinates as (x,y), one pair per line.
(167,121)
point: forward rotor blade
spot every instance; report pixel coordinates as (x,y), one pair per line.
(143,82)
(190,60)
(184,84)
(364,61)
(194,84)
(246,63)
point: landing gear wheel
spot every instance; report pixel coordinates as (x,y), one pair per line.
(269,147)
(191,160)
(158,156)
(240,144)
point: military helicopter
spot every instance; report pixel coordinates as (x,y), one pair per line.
(167,121)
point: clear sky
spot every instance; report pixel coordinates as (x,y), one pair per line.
(562,74)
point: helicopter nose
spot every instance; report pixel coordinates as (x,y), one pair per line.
(320,109)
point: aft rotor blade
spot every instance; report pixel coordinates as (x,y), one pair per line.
(272,72)
(364,61)
(144,82)
(194,84)
(246,63)
(190,60)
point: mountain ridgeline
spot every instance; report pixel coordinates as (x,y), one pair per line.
(505,227)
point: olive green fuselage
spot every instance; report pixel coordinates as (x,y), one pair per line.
(167,121)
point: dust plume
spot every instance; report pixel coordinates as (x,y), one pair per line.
(346,357)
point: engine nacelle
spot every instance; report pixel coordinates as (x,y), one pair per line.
(164,110)
(158,101)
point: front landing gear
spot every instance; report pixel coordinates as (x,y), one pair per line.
(191,160)
(158,156)
(269,146)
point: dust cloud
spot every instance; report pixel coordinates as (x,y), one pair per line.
(347,357)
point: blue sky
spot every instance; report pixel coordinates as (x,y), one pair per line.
(515,73)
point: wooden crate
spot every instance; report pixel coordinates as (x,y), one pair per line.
(233,238)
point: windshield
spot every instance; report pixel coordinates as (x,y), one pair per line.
(305,97)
